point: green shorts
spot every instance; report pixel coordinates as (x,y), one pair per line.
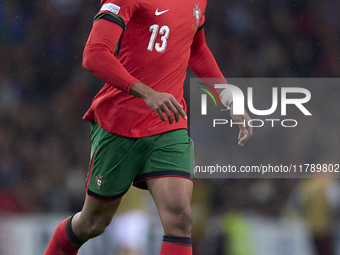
(117,161)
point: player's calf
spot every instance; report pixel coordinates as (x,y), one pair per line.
(90,222)
(95,216)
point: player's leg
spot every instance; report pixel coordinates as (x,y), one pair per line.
(168,174)
(107,181)
(95,216)
(74,231)
(172,196)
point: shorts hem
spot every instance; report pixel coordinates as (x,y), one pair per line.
(105,198)
(140,181)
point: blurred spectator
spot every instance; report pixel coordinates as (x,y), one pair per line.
(317,200)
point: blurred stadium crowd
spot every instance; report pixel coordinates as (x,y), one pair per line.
(44,92)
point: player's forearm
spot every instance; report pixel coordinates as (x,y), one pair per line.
(101,62)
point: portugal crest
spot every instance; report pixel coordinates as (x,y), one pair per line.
(100,181)
(197,14)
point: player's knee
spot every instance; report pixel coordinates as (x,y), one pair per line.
(181,219)
(185,218)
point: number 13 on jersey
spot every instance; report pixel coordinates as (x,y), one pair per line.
(164,32)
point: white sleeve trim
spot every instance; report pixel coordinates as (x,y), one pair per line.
(226,97)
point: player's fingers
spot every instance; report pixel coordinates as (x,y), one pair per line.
(160,114)
(174,110)
(243,130)
(246,131)
(243,137)
(168,114)
(246,135)
(242,124)
(179,108)
(182,112)
(240,134)
(250,130)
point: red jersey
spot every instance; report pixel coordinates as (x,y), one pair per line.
(155,49)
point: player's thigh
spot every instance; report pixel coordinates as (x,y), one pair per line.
(172,195)
(115,162)
(170,171)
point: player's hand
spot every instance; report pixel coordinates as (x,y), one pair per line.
(159,102)
(165,103)
(246,131)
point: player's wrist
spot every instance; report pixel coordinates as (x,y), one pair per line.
(226,98)
(140,90)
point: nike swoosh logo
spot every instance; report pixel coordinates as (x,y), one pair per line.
(159,13)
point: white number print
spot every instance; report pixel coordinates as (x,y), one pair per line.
(164,31)
(154,30)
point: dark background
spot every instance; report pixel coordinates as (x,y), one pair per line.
(44,91)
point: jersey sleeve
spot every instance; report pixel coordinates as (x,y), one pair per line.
(118,11)
(99,59)
(203,63)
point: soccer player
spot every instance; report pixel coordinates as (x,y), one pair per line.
(141,50)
